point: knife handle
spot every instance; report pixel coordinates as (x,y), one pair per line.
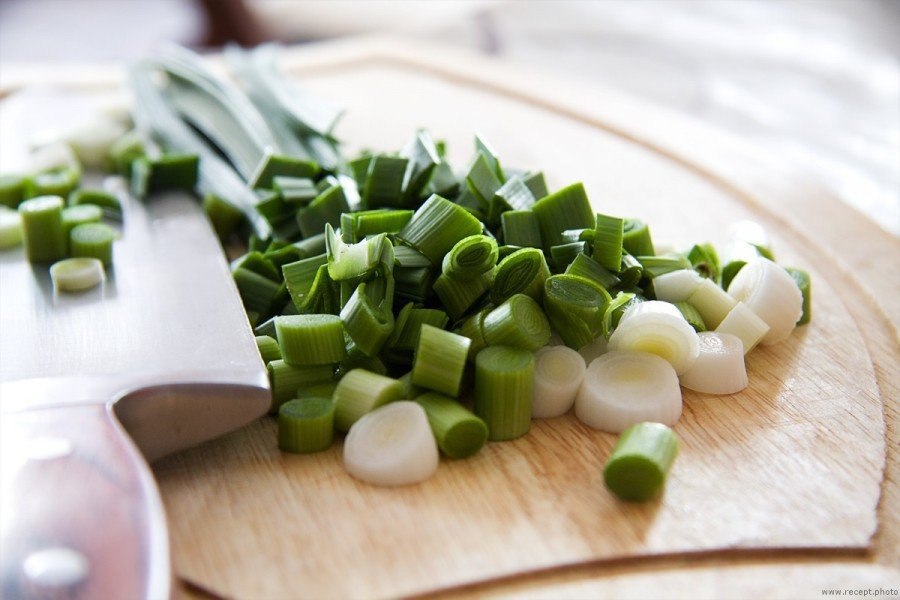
(80,515)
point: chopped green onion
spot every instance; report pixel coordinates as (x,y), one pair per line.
(258,263)
(301,278)
(77,274)
(306,425)
(367,324)
(711,302)
(608,242)
(585,266)
(443,182)
(558,372)
(357,359)
(268,348)
(73,216)
(576,307)
(485,149)
(295,190)
(459,295)
(108,202)
(636,469)
(324,389)
(12,190)
(521,228)
(436,227)
(257,291)
(410,391)
(655,266)
(458,432)
(168,172)
(125,151)
(568,208)
(519,322)
(720,367)
(620,303)
(405,338)
(691,315)
(636,238)
(504,385)
(624,387)
(285,380)
(769,291)
(565,254)
(325,209)
(58,182)
(92,240)
(470,257)
(310,339)
(409,257)
(705,260)
(745,325)
(423,160)
(482,179)
(801,278)
(224,217)
(42,229)
(276,165)
(537,185)
(512,195)
(358,225)
(352,261)
(391,446)
(440,360)
(522,272)
(658,328)
(413,284)
(384,182)
(473,328)
(630,274)
(360,392)
(10,228)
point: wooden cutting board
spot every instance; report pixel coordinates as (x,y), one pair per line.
(778,491)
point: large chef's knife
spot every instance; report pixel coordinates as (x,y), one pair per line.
(162,351)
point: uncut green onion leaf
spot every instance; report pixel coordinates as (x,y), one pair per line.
(440,360)
(459,433)
(576,307)
(522,272)
(519,322)
(504,383)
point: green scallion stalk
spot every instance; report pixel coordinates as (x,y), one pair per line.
(285,380)
(324,389)
(440,360)
(349,262)
(360,392)
(458,432)
(126,150)
(10,228)
(564,254)
(413,284)
(367,323)
(436,227)
(301,277)
(512,195)
(357,359)
(616,309)
(92,240)
(519,322)
(504,380)
(107,202)
(409,257)
(801,278)
(276,165)
(521,228)
(268,348)
(654,266)
(405,338)
(257,292)
(636,238)
(224,217)
(443,182)
(43,230)
(630,274)
(384,182)
(576,307)
(608,242)
(423,160)
(568,208)
(306,425)
(361,224)
(168,172)
(325,209)
(482,179)
(58,182)
(522,272)
(691,315)
(298,191)
(484,148)
(705,260)
(537,185)
(587,267)
(314,339)
(459,295)
(637,468)
(470,257)
(12,190)
(473,328)
(73,216)
(258,263)
(409,389)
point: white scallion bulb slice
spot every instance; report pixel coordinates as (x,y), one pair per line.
(10,228)
(622,388)
(712,302)
(392,445)
(676,286)
(720,367)
(77,274)
(745,325)
(558,371)
(594,349)
(659,328)
(770,292)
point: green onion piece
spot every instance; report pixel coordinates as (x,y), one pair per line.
(12,190)
(325,209)
(473,328)
(443,182)
(367,325)
(458,432)
(537,185)
(311,246)
(729,271)
(347,262)
(10,228)
(76,274)
(267,327)
(654,266)
(59,182)
(301,276)
(423,159)
(519,322)
(273,207)
(357,359)
(482,180)
(258,263)
(630,274)
(168,172)
(504,380)
(691,315)
(616,309)
(285,380)
(522,272)
(310,339)
(413,284)
(126,150)
(569,208)
(436,227)
(295,190)
(576,307)
(512,195)
(306,425)
(268,348)
(360,392)
(409,257)
(802,280)
(92,240)
(276,165)
(108,202)
(636,238)
(73,216)
(410,390)
(43,230)
(257,291)
(564,254)
(440,360)
(324,389)
(459,295)
(705,260)
(358,225)
(587,267)
(384,182)
(405,338)
(637,468)
(359,167)
(470,257)
(482,147)
(223,216)
(608,242)
(521,228)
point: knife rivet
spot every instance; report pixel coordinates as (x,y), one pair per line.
(49,448)
(56,567)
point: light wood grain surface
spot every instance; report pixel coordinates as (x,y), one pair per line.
(777,490)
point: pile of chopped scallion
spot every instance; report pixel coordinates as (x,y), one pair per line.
(420,309)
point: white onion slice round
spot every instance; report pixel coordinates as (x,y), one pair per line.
(392,445)
(720,367)
(77,274)
(593,349)
(676,286)
(558,372)
(659,328)
(770,292)
(622,388)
